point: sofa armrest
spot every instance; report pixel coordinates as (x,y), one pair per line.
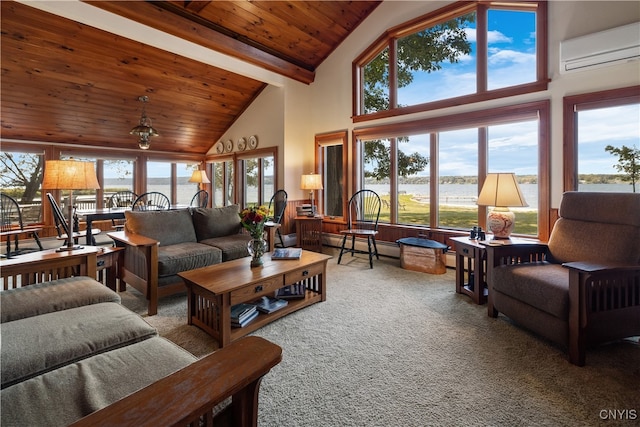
(189,395)
(124,238)
(140,265)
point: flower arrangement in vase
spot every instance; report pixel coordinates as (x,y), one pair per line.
(253,220)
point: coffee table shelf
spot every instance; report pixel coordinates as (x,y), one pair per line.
(212,290)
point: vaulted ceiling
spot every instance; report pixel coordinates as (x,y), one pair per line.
(68,82)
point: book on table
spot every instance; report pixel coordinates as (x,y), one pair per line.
(286,253)
(243,313)
(270,304)
(297,290)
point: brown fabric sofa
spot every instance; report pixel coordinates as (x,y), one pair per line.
(71,353)
(583,287)
(160,244)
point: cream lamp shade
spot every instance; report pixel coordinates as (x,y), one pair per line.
(311,182)
(200,177)
(501,190)
(69,175)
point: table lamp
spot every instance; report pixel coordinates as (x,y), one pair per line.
(69,175)
(199,177)
(311,182)
(501,191)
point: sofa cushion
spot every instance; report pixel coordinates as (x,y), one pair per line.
(38,344)
(232,247)
(216,222)
(167,227)
(542,285)
(179,257)
(61,294)
(60,397)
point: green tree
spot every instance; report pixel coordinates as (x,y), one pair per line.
(628,163)
(23,170)
(425,50)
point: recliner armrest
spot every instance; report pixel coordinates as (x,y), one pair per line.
(507,254)
(591,267)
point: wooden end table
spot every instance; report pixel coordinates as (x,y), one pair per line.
(471,263)
(309,232)
(212,290)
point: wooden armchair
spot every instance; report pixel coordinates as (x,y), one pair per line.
(583,287)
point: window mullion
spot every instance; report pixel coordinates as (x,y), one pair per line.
(482,47)
(393,74)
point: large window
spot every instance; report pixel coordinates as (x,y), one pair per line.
(331,164)
(21,174)
(246,178)
(602,146)
(256,176)
(463,53)
(223,181)
(429,172)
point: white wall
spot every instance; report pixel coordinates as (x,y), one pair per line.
(325,105)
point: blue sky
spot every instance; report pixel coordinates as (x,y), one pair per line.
(511,48)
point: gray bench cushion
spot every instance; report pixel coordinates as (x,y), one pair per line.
(179,257)
(51,296)
(35,345)
(544,286)
(232,247)
(69,393)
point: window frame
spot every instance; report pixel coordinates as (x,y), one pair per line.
(322,141)
(480,119)
(389,37)
(583,102)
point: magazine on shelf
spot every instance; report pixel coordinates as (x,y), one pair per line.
(297,290)
(241,312)
(286,253)
(270,304)
(244,321)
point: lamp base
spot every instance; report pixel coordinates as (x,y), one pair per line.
(501,222)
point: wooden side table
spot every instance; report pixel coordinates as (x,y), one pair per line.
(109,260)
(309,232)
(471,269)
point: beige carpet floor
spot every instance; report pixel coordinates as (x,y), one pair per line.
(392,347)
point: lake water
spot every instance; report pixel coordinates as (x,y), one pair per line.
(450,194)
(467,194)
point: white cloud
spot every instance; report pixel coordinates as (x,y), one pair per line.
(497,37)
(506,56)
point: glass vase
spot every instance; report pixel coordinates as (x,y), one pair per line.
(256,248)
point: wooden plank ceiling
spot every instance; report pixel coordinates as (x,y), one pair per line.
(66,82)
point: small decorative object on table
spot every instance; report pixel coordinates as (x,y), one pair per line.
(253,219)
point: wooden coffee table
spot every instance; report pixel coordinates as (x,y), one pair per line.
(212,290)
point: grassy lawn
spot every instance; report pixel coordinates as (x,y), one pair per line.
(460,217)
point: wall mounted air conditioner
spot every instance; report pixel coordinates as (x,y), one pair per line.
(600,49)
